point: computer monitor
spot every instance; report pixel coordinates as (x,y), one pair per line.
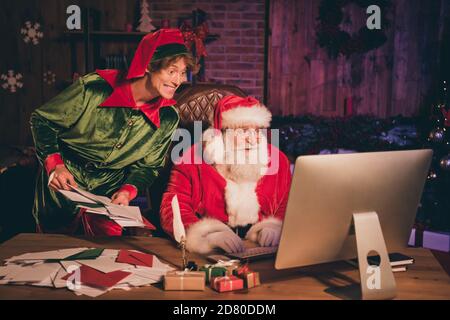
(335,203)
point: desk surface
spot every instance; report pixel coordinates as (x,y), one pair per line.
(425,279)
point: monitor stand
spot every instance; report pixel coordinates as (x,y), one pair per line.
(377,282)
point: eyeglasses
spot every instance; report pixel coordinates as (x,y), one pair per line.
(175,75)
(249,132)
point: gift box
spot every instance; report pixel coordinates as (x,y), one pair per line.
(211,271)
(251,278)
(227,283)
(229,265)
(184,280)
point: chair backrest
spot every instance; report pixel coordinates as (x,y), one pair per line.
(197,103)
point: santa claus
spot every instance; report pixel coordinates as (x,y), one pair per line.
(232,186)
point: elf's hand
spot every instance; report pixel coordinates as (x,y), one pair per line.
(121,198)
(60,178)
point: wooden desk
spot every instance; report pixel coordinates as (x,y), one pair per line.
(425,279)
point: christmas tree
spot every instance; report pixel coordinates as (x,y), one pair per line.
(434,212)
(145,22)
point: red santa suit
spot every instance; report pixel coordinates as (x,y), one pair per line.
(209,200)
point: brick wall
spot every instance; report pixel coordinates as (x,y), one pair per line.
(237,57)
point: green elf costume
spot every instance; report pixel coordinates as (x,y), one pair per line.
(105,141)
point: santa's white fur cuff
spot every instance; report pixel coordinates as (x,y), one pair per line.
(196,240)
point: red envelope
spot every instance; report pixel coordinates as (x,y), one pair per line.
(135,258)
(95,278)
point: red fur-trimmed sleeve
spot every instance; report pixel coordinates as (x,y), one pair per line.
(52,161)
(180,184)
(132,190)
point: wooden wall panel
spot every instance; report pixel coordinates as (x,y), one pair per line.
(302,79)
(240,24)
(388,81)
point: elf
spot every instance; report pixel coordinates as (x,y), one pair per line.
(108,133)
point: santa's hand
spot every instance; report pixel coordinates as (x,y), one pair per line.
(60,179)
(226,240)
(269,236)
(121,198)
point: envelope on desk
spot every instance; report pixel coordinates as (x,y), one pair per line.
(97,279)
(46,255)
(105,264)
(135,258)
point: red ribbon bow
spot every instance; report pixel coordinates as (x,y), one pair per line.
(195,36)
(243,270)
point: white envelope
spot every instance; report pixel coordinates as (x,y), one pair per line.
(76,197)
(110,252)
(129,212)
(34,273)
(46,255)
(49,281)
(134,280)
(128,223)
(91,196)
(101,211)
(58,282)
(69,265)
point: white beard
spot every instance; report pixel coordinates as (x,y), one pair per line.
(242,170)
(242,165)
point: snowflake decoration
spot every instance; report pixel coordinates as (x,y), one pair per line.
(49,77)
(32,32)
(11,81)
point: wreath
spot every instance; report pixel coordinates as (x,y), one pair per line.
(336,41)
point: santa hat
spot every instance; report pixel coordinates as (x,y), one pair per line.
(233,112)
(154,46)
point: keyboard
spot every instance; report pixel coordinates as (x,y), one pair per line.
(252,253)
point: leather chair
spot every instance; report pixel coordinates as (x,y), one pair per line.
(194,103)
(197,103)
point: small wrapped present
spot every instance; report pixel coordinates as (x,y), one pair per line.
(227,283)
(184,280)
(229,265)
(251,278)
(212,271)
